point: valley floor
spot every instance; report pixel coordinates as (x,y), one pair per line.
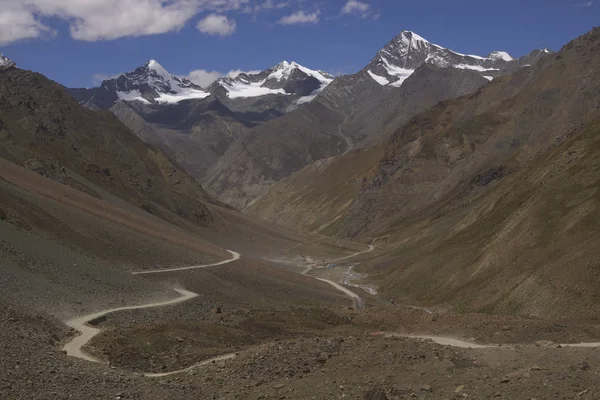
(270,346)
(276,332)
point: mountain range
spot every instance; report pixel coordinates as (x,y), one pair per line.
(212,131)
(351,111)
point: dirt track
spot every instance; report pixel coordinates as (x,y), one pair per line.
(356,299)
(73,348)
(235,256)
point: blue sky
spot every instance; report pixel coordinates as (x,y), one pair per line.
(76,43)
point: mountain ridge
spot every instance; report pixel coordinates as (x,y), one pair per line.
(151,83)
(405,52)
(330,125)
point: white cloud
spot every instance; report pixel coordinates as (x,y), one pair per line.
(92,20)
(217,25)
(18,23)
(204,78)
(100,77)
(300,18)
(356,7)
(273,5)
(586,4)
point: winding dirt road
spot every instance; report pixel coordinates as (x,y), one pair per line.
(357,300)
(235,256)
(224,357)
(454,342)
(74,347)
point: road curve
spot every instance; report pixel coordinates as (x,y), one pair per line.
(200,364)
(453,342)
(357,300)
(371,248)
(74,347)
(443,340)
(234,257)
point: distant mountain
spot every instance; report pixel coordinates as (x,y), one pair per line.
(193,125)
(397,60)
(285,79)
(149,84)
(6,63)
(351,111)
(194,133)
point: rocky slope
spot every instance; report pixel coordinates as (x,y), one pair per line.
(47,131)
(484,200)
(349,113)
(193,133)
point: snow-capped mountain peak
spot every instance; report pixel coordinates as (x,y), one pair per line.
(285,78)
(6,63)
(159,69)
(283,70)
(152,83)
(500,55)
(397,60)
(411,40)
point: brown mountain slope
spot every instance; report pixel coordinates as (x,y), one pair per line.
(44,129)
(194,133)
(316,196)
(273,150)
(523,242)
(445,153)
(489,201)
(348,112)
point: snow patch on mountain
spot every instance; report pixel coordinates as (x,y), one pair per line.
(398,72)
(250,89)
(475,67)
(132,95)
(181,95)
(309,98)
(463,55)
(500,55)
(274,81)
(6,62)
(379,79)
